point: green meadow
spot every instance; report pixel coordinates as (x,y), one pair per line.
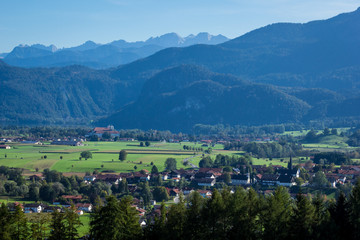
(104,156)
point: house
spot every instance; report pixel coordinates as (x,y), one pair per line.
(201,175)
(80,212)
(99,131)
(140,177)
(74,198)
(109,178)
(89,179)
(142,223)
(51,209)
(240,179)
(334,179)
(286,180)
(293,172)
(68,143)
(36,177)
(205,193)
(269,179)
(86,207)
(174,192)
(175,174)
(5,147)
(207,182)
(33,207)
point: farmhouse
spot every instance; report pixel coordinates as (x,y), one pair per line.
(68,143)
(240,179)
(99,131)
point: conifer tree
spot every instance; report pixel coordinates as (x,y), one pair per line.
(340,215)
(21,229)
(275,217)
(5,223)
(57,226)
(176,219)
(302,220)
(193,226)
(72,223)
(355,209)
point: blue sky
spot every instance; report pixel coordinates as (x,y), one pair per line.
(68,23)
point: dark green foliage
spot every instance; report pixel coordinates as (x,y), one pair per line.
(206,162)
(72,222)
(122,155)
(20,229)
(154,169)
(302,221)
(355,209)
(57,226)
(86,154)
(337,158)
(115,221)
(170,164)
(354,139)
(224,160)
(340,216)
(275,217)
(272,150)
(160,194)
(5,223)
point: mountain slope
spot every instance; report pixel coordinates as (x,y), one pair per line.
(180,97)
(71,95)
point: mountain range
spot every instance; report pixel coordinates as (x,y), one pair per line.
(101,56)
(280,73)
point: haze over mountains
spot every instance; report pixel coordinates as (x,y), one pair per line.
(276,74)
(95,55)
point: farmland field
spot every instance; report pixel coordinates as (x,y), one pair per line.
(104,156)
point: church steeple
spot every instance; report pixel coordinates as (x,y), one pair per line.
(290,164)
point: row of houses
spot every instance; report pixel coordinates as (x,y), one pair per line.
(81,208)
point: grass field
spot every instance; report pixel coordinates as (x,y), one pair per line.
(105,156)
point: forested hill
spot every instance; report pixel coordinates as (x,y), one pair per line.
(180,97)
(70,95)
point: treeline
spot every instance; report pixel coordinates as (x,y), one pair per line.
(224,160)
(336,158)
(241,215)
(266,150)
(43,132)
(354,139)
(236,131)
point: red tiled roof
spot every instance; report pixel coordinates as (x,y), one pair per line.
(72,197)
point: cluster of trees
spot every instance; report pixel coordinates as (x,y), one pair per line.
(53,186)
(146,144)
(313,136)
(236,131)
(43,131)
(190,148)
(248,215)
(354,139)
(336,158)
(224,160)
(241,215)
(60,226)
(269,150)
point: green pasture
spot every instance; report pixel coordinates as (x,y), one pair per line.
(105,156)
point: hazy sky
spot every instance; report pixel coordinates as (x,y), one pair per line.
(68,23)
